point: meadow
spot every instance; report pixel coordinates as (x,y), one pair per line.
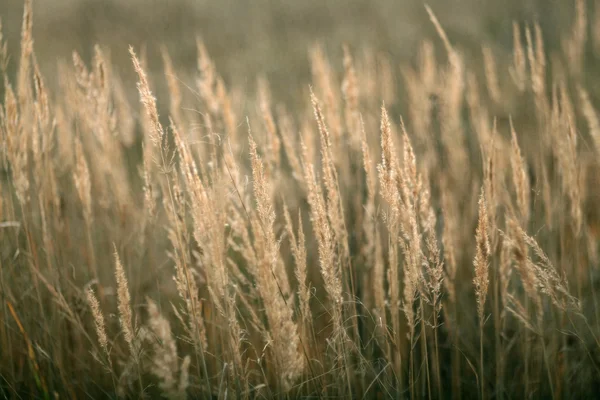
(300,200)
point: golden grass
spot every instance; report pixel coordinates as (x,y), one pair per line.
(241,247)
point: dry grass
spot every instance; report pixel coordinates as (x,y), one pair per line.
(424,231)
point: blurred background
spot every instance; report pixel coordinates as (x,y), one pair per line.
(268,37)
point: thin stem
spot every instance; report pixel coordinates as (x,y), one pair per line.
(498,324)
(438,377)
(424,345)
(481,376)
(411,367)
(526,337)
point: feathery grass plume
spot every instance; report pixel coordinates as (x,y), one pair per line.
(151,153)
(304,291)
(82,75)
(550,281)
(428,66)
(3,53)
(209,170)
(563,132)
(388,170)
(369,222)
(100,78)
(184,376)
(482,256)
(97,115)
(325,241)
(537,64)
(208,232)
(102,73)
(479,112)
(452,98)
(227,111)
(173,84)
(176,212)
(124,304)
(481,279)
(574,45)
(388,167)
(165,362)
(272,139)
(568,116)
(156,135)
(388,182)
(546,191)
(205,225)
(335,210)
(308,140)
(372,248)
(505,268)
(433,263)
(329,264)
(17,148)
(298,246)
(208,77)
(209,213)
(83,185)
(589,112)
(401,187)
(518,310)
(266,215)
(24,90)
(410,179)
(184,279)
(422,90)
(350,91)
(81,177)
(439,29)
(520,177)
(148,100)
(98,320)
(490,184)
(42,108)
(150,195)
(410,189)
(243,224)
(370,173)
(42,141)
(518,69)
(519,254)
(491,74)
(434,267)
(290,143)
(323,78)
(272,281)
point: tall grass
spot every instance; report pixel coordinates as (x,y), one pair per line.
(232,246)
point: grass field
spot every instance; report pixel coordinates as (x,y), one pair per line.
(285,199)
